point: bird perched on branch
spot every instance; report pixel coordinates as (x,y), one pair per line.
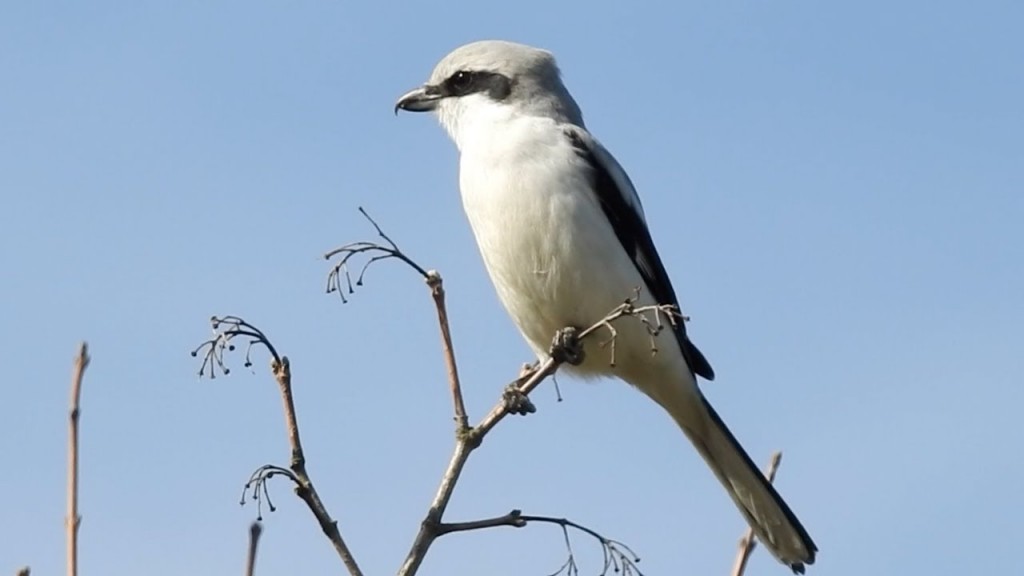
(564,239)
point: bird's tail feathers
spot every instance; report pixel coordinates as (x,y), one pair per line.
(773,522)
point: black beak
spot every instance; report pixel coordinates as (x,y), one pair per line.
(422,99)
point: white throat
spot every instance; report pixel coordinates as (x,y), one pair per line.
(473,118)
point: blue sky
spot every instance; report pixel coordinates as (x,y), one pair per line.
(837,192)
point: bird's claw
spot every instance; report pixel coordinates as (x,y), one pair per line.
(516,402)
(566,347)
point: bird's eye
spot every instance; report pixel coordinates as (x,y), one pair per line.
(461,81)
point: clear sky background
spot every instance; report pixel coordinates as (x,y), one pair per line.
(837,192)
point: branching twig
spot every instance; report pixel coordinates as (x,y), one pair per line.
(254,539)
(73,520)
(466,443)
(548,367)
(618,557)
(340,278)
(748,542)
(515,399)
(258,483)
(226,329)
(567,348)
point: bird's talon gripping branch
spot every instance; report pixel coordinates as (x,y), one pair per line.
(527,370)
(566,346)
(516,402)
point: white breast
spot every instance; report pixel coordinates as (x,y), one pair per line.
(548,246)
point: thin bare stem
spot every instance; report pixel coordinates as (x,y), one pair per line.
(431,526)
(618,557)
(515,398)
(255,529)
(436,284)
(539,373)
(73,520)
(527,385)
(226,329)
(748,542)
(514,519)
(340,278)
(304,488)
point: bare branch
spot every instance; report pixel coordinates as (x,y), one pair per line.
(513,519)
(430,527)
(532,379)
(748,542)
(73,520)
(436,284)
(255,529)
(340,278)
(618,557)
(226,329)
(566,348)
(258,484)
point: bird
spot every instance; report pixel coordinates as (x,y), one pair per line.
(564,239)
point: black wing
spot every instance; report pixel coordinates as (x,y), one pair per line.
(622,207)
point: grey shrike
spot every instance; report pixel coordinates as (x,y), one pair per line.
(563,235)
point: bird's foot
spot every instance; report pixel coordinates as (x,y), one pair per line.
(526,371)
(516,402)
(566,346)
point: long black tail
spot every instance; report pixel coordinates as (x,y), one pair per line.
(767,513)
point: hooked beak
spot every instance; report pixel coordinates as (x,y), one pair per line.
(422,99)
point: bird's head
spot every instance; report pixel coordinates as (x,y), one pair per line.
(492,79)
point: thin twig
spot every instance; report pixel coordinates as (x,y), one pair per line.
(468,439)
(618,557)
(304,488)
(73,520)
(226,329)
(255,529)
(514,519)
(550,366)
(748,542)
(340,280)
(436,284)
(467,442)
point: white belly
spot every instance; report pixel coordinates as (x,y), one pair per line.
(553,256)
